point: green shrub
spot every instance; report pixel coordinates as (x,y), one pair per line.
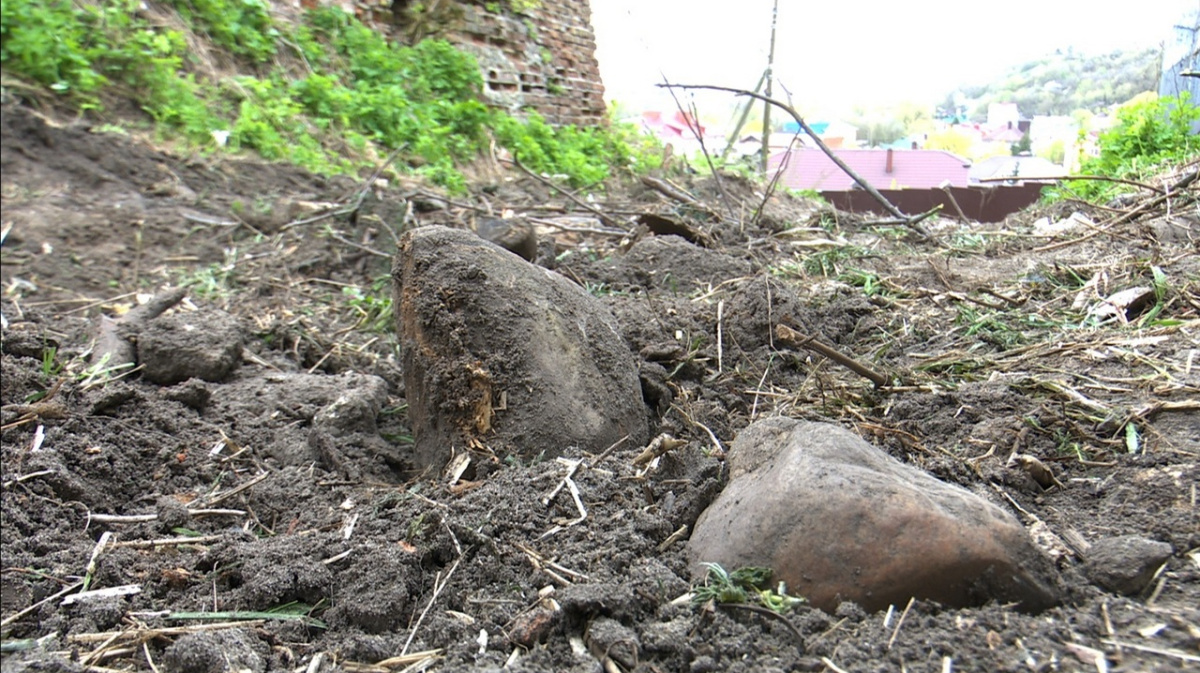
(1146,136)
(356,88)
(48,41)
(242,26)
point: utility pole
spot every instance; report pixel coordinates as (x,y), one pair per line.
(737,130)
(769,77)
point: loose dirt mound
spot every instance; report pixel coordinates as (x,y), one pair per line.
(273,521)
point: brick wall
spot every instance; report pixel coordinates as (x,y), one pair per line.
(542,58)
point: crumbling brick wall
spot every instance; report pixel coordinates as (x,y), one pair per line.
(534,54)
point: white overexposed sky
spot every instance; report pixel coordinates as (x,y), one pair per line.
(833,55)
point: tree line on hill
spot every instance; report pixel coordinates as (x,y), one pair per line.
(1061,83)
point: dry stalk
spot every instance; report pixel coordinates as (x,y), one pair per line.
(659,446)
(900,623)
(791,337)
(604,217)
(911,221)
(439,583)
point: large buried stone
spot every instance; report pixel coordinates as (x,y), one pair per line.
(840,520)
(502,353)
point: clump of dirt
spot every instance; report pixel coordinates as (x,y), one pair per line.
(274,519)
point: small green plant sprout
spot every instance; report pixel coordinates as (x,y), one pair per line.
(101,373)
(50,364)
(744,586)
(374,308)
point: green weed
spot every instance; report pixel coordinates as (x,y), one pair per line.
(751,586)
(374,308)
(1147,135)
(870,283)
(356,96)
(214,281)
(827,263)
(989,326)
(50,364)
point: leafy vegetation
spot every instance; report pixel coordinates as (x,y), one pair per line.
(328,93)
(748,586)
(1147,135)
(1063,82)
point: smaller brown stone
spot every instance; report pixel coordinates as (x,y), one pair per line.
(1125,564)
(532,627)
(837,519)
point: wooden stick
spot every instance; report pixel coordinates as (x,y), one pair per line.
(14,617)
(912,222)
(793,338)
(604,217)
(900,622)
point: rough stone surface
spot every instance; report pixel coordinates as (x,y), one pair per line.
(1125,564)
(502,353)
(178,346)
(838,519)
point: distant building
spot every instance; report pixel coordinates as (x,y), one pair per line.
(679,130)
(670,126)
(1014,170)
(883,169)
(833,133)
(1045,129)
(1008,133)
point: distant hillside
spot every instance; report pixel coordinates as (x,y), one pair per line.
(1062,83)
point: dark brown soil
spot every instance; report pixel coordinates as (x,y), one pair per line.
(218,501)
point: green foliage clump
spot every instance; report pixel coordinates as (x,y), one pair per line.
(747,586)
(242,26)
(49,43)
(328,93)
(1147,136)
(584,156)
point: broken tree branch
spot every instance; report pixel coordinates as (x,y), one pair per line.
(604,217)
(911,222)
(791,337)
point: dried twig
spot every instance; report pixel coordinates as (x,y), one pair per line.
(911,221)
(900,622)
(167,542)
(354,201)
(660,445)
(52,597)
(796,339)
(1129,215)
(604,217)
(1164,652)
(143,635)
(143,518)
(689,118)
(439,583)
(766,612)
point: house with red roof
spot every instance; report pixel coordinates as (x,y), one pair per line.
(672,125)
(882,168)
